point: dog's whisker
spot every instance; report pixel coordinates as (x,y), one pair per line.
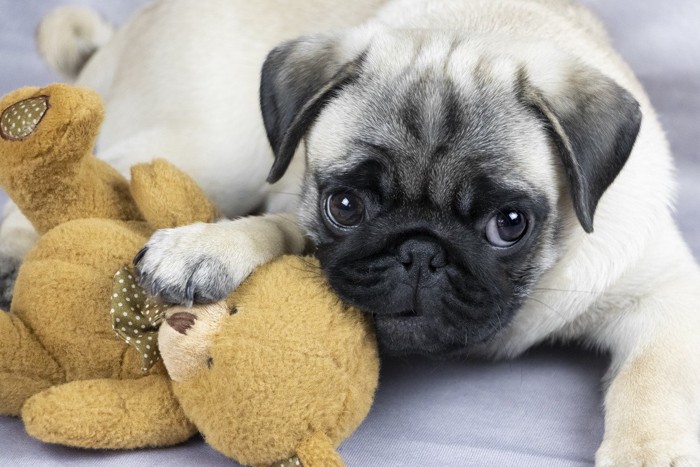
(550,308)
(545,289)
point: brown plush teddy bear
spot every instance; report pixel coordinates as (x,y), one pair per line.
(279,370)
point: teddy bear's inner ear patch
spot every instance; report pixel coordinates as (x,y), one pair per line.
(21,119)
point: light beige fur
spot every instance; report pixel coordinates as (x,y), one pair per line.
(636,279)
(198,63)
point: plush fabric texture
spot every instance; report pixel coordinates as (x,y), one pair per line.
(80,185)
(170,208)
(59,330)
(297,364)
(314,451)
(284,365)
(108,413)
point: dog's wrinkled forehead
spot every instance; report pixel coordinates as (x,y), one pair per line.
(434,106)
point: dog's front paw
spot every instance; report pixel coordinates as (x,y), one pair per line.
(194,264)
(646,452)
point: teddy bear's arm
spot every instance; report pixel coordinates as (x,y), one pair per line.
(108,414)
(168,197)
(26,368)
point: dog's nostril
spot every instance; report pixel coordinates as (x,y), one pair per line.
(405,257)
(425,253)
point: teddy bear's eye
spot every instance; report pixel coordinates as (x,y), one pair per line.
(233,310)
(210,362)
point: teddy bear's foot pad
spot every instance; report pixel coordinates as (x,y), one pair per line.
(21,119)
(108,414)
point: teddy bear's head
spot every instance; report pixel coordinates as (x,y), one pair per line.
(281,360)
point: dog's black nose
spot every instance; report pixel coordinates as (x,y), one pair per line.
(421,256)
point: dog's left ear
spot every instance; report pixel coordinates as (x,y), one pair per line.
(594,123)
(298,78)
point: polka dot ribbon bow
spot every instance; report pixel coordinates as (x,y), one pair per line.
(136,317)
(291,462)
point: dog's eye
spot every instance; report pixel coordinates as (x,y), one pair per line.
(506,227)
(345,209)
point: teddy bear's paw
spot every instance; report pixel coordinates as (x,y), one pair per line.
(193,264)
(658,453)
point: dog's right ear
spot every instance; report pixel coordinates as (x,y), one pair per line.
(298,78)
(594,123)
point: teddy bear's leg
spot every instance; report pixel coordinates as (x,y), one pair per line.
(46,162)
(108,414)
(26,368)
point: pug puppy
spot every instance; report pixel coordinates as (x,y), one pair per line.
(481,176)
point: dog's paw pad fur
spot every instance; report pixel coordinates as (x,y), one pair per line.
(180,267)
(678,453)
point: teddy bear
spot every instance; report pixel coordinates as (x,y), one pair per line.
(281,371)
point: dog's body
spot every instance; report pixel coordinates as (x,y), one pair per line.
(180,80)
(436,118)
(453,123)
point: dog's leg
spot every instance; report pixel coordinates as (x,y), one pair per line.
(203,263)
(652,405)
(17,237)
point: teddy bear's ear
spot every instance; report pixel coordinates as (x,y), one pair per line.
(185,336)
(167,197)
(317,450)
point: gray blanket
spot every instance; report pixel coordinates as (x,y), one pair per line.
(543,409)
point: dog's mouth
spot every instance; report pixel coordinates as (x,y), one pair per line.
(410,313)
(408,332)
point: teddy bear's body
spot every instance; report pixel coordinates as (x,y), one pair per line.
(59,330)
(288,373)
(64,289)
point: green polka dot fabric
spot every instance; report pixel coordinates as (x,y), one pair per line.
(19,120)
(135,316)
(291,462)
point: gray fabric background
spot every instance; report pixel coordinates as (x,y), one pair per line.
(543,409)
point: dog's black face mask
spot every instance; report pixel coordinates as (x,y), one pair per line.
(436,279)
(436,202)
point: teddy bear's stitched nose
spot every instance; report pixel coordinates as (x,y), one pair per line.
(21,119)
(181,321)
